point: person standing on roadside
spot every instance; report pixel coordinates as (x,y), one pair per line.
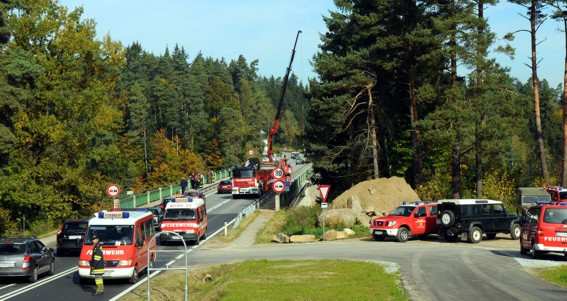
(97,265)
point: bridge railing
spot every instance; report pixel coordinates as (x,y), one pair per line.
(145,198)
(299,181)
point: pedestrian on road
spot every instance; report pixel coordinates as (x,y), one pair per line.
(97,265)
(183,185)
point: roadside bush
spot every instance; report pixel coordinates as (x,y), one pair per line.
(435,189)
(501,187)
(7,226)
(300,219)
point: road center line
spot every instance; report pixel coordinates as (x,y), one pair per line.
(38,284)
(7,286)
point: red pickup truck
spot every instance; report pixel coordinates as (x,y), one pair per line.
(406,221)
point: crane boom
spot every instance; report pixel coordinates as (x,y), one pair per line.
(276,125)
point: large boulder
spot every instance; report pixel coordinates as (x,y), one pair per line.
(378,195)
(349,232)
(280,238)
(337,218)
(330,235)
(302,238)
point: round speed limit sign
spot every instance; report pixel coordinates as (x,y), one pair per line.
(278,173)
(112,190)
(278,186)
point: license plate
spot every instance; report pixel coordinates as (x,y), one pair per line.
(175,237)
(378,232)
(75,237)
(7,264)
(561,234)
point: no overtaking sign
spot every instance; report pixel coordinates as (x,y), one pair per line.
(112,190)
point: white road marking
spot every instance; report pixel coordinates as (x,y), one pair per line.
(38,284)
(219,205)
(7,286)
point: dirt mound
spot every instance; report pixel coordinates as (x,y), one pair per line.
(379,195)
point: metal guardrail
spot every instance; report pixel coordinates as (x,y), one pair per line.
(144,198)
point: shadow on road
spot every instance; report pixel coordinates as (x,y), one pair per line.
(516,254)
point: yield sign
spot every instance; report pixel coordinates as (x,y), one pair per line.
(324,190)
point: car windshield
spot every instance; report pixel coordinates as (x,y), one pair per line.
(243,173)
(111,235)
(555,216)
(179,214)
(75,227)
(12,249)
(402,211)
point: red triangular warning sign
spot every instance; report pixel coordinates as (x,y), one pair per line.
(324,190)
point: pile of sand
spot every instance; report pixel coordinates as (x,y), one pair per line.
(379,195)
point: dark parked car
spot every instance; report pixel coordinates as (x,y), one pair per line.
(473,218)
(225,186)
(25,257)
(71,236)
(158,217)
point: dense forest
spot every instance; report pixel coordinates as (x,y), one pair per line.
(410,88)
(78,113)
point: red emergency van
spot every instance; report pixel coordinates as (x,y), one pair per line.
(544,229)
(126,238)
(186,216)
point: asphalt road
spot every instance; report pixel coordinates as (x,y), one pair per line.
(63,285)
(430,270)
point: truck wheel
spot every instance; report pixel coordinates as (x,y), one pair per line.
(515,231)
(403,234)
(447,218)
(475,235)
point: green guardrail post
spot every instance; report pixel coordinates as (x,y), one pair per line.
(160,195)
(134,200)
(170,190)
(147,197)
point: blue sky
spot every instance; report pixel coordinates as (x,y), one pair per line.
(264,30)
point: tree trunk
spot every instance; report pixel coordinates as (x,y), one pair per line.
(481,53)
(456,167)
(373,134)
(456,151)
(564,165)
(535,89)
(415,135)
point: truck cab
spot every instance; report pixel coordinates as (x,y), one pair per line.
(245,182)
(406,221)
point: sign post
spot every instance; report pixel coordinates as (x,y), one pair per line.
(324,191)
(278,187)
(112,191)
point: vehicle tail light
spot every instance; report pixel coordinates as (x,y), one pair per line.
(27,262)
(84,263)
(125,263)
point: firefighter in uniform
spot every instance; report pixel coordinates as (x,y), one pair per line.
(97,265)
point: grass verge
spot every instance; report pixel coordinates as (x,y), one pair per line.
(557,275)
(272,227)
(235,233)
(280,280)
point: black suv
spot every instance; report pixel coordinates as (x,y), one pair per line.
(473,218)
(71,236)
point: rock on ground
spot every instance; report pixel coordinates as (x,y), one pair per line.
(302,238)
(378,195)
(280,238)
(337,218)
(349,232)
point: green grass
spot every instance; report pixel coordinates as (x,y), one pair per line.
(280,280)
(272,227)
(556,275)
(235,233)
